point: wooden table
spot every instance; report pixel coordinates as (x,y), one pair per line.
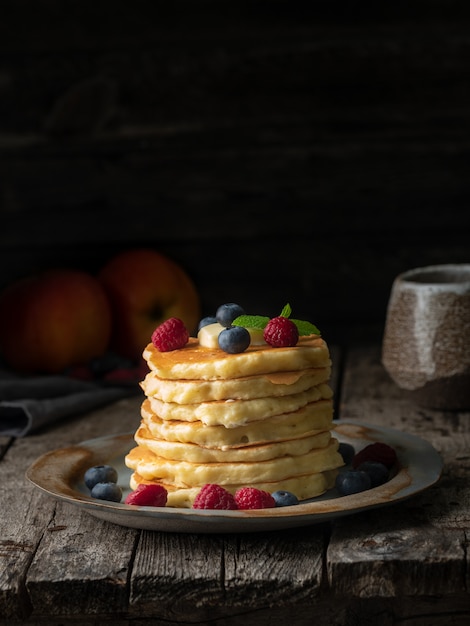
(406,564)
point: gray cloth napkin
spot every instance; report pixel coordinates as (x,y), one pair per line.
(29,403)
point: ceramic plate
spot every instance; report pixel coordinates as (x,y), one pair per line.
(60,474)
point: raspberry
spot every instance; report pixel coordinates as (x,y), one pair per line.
(148,495)
(281,332)
(171,335)
(252,498)
(214,497)
(377,453)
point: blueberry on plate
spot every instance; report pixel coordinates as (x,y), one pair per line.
(284,498)
(347,451)
(226,313)
(234,339)
(107,491)
(100,474)
(378,472)
(352,481)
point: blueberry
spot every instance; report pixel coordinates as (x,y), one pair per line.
(347,451)
(100,474)
(284,498)
(234,339)
(226,313)
(378,472)
(210,319)
(352,481)
(107,491)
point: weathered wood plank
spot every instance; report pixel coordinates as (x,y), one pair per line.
(418,547)
(175,575)
(30,517)
(212,172)
(284,568)
(353,124)
(200,64)
(79,619)
(18,540)
(197,577)
(81,566)
(392,555)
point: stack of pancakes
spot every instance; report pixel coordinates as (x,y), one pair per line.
(259,418)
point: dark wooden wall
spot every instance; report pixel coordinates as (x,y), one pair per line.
(280,151)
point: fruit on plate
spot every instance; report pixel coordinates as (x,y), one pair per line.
(212,496)
(147,495)
(285,498)
(107,491)
(145,288)
(253,498)
(352,481)
(100,474)
(53,320)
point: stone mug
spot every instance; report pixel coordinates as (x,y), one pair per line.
(426,342)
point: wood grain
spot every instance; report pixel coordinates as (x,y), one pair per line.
(31,522)
(82,560)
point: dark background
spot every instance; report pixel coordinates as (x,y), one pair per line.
(280,151)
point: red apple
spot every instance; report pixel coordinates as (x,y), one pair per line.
(145,288)
(54,320)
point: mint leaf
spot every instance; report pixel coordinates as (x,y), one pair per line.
(306,328)
(251,321)
(259,322)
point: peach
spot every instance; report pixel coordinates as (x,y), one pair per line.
(53,320)
(145,288)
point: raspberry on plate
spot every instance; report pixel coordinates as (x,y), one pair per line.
(147,495)
(378,453)
(171,335)
(213,496)
(252,498)
(281,332)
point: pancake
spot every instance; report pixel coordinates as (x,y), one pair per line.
(306,486)
(184,473)
(260,418)
(310,419)
(193,453)
(190,391)
(197,362)
(232,413)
